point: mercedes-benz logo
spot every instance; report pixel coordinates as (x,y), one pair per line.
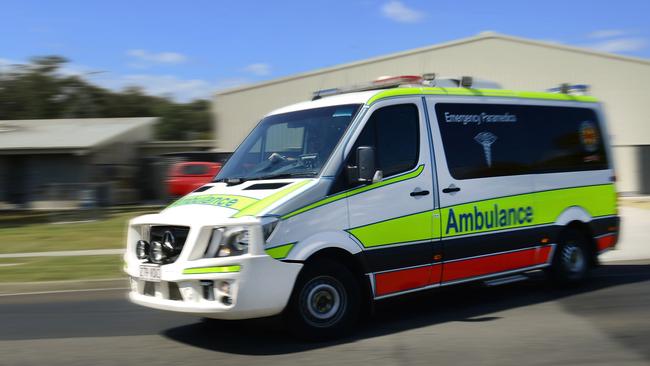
(168,240)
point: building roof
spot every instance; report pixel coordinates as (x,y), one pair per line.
(66,134)
(479,37)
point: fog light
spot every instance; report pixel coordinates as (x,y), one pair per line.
(224,287)
(226,300)
(142,249)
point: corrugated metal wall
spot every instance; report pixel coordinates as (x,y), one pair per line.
(620,83)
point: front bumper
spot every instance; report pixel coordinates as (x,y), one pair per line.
(261,287)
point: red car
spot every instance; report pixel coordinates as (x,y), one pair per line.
(185,177)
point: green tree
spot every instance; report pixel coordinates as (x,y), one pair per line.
(38,90)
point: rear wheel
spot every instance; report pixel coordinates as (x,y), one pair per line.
(325,301)
(571,262)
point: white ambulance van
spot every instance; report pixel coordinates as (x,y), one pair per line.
(402,185)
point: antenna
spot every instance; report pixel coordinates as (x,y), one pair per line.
(466,81)
(570,89)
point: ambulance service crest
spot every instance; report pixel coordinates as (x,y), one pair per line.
(589,137)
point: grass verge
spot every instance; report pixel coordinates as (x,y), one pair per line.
(105,233)
(35,269)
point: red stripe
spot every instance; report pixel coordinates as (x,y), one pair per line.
(606,242)
(407,279)
(412,278)
(543,255)
(494,263)
(436,273)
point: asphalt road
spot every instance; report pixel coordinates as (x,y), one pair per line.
(606,322)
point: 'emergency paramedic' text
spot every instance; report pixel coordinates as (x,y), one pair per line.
(480,118)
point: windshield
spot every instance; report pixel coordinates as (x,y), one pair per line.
(295,144)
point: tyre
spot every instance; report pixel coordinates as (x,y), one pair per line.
(571,261)
(325,301)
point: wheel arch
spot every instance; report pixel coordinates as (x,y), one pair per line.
(354,263)
(338,247)
(324,240)
(572,214)
(577,218)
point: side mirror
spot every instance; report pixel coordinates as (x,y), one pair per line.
(366,163)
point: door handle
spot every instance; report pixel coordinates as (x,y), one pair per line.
(451,189)
(419,193)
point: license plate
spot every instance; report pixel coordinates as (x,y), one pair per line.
(150,273)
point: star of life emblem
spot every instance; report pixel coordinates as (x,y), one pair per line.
(486,139)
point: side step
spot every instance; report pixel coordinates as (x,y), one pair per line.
(505,280)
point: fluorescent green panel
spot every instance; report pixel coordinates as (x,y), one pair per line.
(494,214)
(402,229)
(526,210)
(596,200)
(221,269)
(352,192)
(220,200)
(479,92)
(280,252)
(262,204)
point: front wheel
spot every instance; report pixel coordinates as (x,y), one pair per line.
(571,262)
(325,301)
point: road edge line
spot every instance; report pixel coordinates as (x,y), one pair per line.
(63,291)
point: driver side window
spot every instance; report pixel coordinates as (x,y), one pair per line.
(394,133)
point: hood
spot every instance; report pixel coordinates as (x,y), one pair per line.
(252,198)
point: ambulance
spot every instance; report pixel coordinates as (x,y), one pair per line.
(400,185)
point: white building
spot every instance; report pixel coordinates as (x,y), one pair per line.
(516,63)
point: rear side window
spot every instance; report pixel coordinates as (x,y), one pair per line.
(394,132)
(487,140)
(571,140)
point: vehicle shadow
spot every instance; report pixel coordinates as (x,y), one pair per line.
(466,303)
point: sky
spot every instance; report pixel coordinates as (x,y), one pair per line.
(190,49)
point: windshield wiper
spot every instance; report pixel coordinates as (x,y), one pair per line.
(239,180)
(284,175)
(231,181)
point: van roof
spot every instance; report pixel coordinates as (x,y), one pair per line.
(370,97)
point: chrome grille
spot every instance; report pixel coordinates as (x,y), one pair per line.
(174,235)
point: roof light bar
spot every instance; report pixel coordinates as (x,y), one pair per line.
(429,76)
(326,93)
(428,79)
(398,80)
(383,82)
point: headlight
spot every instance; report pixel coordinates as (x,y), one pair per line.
(227,242)
(241,241)
(235,240)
